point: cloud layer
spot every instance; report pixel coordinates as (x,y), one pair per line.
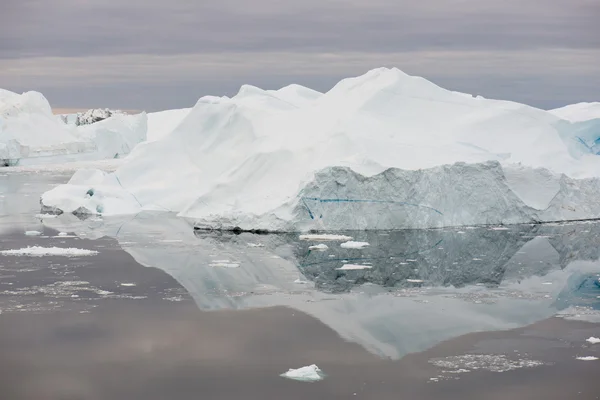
(65,44)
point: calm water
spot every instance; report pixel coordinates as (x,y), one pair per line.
(163,311)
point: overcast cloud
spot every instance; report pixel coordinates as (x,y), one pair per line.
(151,54)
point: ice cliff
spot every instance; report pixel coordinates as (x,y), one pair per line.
(31,134)
(384,150)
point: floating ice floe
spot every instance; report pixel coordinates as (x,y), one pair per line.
(320,247)
(310,373)
(325,237)
(587,358)
(354,245)
(353,267)
(49,251)
(33,233)
(593,340)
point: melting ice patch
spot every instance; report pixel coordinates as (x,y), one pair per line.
(487,362)
(49,251)
(310,373)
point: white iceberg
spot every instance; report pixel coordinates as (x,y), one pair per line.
(380,151)
(31,134)
(310,373)
(320,247)
(49,251)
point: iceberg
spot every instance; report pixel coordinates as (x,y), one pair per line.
(384,150)
(578,112)
(31,134)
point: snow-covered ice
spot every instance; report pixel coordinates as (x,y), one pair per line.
(578,112)
(593,340)
(384,150)
(49,251)
(31,134)
(354,245)
(321,247)
(353,267)
(310,373)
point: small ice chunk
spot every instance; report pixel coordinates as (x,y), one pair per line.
(127,284)
(354,245)
(320,247)
(33,233)
(300,282)
(62,233)
(311,373)
(352,267)
(415,280)
(587,358)
(48,251)
(255,245)
(593,340)
(324,237)
(499,228)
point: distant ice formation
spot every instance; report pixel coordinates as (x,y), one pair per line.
(384,150)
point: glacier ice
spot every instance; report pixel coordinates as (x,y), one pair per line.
(384,150)
(31,134)
(578,112)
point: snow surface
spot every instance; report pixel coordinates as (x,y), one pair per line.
(164,122)
(49,251)
(578,112)
(31,134)
(384,150)
(353,245)
(593,340)
(310,373)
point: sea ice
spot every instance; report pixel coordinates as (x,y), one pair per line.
(354,245)
(49,251)
(320,247)
(352,267)
(33,233)
(310,373)
(593,340)
(587,358)
(324,237)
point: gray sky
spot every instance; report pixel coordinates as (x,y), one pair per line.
(156,54)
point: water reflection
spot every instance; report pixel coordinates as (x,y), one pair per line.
(423,287)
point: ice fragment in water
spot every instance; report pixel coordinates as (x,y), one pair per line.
(310,373)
